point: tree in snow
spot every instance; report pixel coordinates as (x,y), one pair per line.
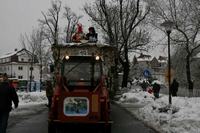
(72,21)
(34,43)
(183,14)
(120,21)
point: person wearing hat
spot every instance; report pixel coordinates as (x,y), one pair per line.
(92,35)
(49,92)
(156,89)
(7,96)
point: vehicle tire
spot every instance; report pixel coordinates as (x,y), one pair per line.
(51,127)
(107,129)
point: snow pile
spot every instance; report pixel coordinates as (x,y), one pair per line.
(183,116)
(136,95)
(32,98)
(30,103)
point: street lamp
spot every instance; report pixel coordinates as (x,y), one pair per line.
(168,25)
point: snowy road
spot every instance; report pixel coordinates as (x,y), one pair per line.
(124,122)
(34,120)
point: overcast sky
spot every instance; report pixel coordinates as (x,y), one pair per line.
(20,16)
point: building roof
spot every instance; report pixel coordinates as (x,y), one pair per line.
(8,54)
(13,53)
(162,58)
(144,57)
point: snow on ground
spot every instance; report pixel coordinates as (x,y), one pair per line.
(32,98)
(183,116)
(29,100)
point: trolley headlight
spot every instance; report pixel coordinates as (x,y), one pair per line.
(97,57)
(67,57)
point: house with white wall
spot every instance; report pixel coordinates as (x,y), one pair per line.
(17,64)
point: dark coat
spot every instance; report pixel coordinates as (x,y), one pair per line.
(7,95)
(156,88)
(174,87)
(92,37)
(49,89)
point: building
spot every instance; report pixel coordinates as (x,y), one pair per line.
(18,65)
(156,66)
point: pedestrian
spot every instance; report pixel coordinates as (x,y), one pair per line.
(49,92)
(144,85)
(7,96)
(174,87)
(92,35)
(156,89)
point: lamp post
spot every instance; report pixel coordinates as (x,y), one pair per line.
(168,25)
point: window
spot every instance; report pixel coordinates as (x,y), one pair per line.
(22,59)
(20,68)
(20,77)
(31,68)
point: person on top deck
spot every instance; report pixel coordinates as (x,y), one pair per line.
(92,35)
(79,35)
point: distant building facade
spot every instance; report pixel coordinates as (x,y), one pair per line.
(156,66)
(18,65)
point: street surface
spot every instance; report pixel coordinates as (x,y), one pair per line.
(36,121)
(124,122)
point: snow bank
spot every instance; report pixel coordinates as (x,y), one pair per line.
(30,103)
(32,98)
(183,116)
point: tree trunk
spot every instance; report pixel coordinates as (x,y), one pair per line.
(125,75)
(40,77)
(31,74)
(188,74)
(115,76)
(126,68)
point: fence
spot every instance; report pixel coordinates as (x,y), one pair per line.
(183,92)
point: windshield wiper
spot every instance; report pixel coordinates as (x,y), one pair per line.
(73,68)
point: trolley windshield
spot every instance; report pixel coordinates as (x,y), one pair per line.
(82,71)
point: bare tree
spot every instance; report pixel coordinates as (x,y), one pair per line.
(51,22)
(30,43)
(40,51)
(36,45)
(120,21)
(184,15)
(51,26)
(72,21)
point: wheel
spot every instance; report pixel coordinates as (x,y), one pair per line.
(55,128)
(51,127)
(108,128)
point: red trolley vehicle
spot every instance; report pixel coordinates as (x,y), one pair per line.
(81,92)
